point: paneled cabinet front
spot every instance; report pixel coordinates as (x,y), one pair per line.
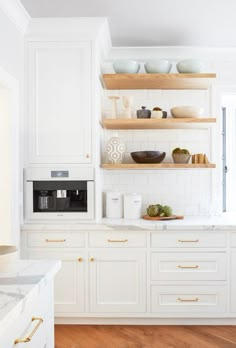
(59,102)
(69,281)
(233,279)
(117,281)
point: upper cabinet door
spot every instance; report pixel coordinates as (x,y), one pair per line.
(59,102)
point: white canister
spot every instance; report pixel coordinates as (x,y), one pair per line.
(132,206)
(114,205)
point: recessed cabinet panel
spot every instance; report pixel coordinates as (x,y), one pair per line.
(117,282)
(188,266)
(69,281)
(59,94)
(188,299)
(189,239)
(233,280)
(118,239)
(56,240)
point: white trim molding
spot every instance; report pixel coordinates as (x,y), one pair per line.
(16,12)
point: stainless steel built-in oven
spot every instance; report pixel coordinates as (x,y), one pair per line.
(59,193)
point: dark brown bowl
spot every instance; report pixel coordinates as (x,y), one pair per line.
(148,156)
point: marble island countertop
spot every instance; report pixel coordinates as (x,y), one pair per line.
(226,221)
(18,286)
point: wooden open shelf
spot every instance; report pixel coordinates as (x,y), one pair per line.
(155,123)
(158,81)
(128,166)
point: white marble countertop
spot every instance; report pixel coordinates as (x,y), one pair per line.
(17,286)
(226,221)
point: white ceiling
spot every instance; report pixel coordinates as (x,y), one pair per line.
(152,22)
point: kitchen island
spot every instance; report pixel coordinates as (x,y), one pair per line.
(27,304)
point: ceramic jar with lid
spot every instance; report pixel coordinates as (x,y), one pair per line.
(114,205)
(143,113)
(132,206)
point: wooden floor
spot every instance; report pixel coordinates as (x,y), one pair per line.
(123,336)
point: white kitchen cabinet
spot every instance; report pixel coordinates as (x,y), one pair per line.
(139,273)
(69,281)
(32,318)
(59,102)
(117,281)
(188,300)
(188,266)
(233,280)
(188,239)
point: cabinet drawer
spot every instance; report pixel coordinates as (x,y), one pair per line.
(188,299)
(56,240)
(188,266)
(191,239)
(233,240)
(124,239)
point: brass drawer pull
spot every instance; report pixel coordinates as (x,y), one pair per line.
(55,240)
(193,267)
(92,259)
(29,337)
(188,300)
(188,241)
(80,259)
(117,240)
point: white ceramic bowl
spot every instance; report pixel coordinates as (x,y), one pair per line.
(160,66)
(190,66)
(187,111)
(124,66)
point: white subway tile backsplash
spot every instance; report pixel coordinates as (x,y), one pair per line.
(187,191)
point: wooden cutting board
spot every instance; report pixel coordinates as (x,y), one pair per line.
(159,218)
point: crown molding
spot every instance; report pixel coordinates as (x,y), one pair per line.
(16,12)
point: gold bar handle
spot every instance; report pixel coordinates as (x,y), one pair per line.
(188,300)
(55,240)
(29,337)
(193,267)
(188,241)
(117,240)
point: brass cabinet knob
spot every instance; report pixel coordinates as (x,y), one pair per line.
(80,259)
(92,259)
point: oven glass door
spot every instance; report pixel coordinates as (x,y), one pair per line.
(60,196)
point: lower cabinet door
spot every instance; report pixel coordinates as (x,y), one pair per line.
(117,281)
(233,282)
(69,281)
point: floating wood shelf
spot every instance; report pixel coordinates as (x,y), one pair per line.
(158,81)
(155,123)
(127,166)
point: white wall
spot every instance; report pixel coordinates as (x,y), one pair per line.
(189,192)
(12,66)
(11,47)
